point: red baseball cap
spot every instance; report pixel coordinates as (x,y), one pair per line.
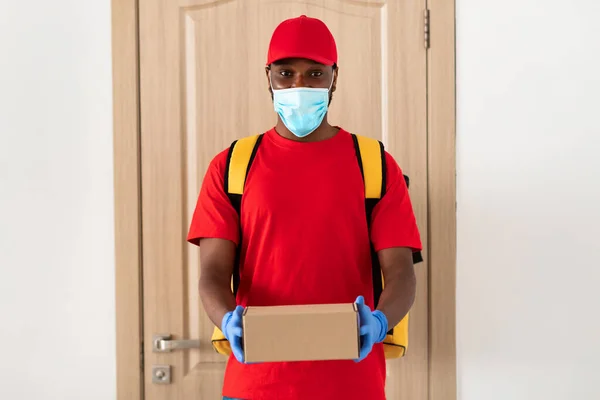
(303,37)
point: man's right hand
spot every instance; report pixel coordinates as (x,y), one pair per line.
(232,329)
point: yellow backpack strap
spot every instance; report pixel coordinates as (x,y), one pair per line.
(239,160)
(371,159)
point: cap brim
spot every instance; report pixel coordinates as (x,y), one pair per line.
(312,57)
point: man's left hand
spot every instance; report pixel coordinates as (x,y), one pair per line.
(373,327)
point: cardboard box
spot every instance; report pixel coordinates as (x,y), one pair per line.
(301,333)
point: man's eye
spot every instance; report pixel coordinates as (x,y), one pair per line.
(285,73)
(316,74)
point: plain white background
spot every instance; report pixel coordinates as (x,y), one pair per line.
(57,309)
(528,200)
(528,175)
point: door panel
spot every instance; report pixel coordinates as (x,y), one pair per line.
(202,86)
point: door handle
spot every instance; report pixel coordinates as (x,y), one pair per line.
(164,344)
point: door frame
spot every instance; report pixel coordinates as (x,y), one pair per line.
(441,177)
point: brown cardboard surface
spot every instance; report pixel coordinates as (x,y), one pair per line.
(301,333)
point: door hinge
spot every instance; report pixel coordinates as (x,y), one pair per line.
(426,28)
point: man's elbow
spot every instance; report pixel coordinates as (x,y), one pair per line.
(410,283)
(209,282)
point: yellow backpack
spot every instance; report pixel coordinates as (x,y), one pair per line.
(371,160)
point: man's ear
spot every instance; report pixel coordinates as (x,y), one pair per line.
(267,72)
(335,76)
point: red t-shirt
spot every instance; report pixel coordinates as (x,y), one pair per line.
(305,241)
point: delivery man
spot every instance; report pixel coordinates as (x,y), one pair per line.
(305,235)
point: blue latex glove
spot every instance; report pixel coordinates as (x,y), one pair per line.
(373,327)
(231,326)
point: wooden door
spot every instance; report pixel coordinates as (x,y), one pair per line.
(202,85)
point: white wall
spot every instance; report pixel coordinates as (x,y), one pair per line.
(528,199)
(57,316)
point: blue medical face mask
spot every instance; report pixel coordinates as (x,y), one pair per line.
(301,109)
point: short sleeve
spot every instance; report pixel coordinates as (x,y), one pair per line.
(214,216)
(393,221)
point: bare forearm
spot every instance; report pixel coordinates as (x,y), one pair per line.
(217,257)
(398,296)
(217,298)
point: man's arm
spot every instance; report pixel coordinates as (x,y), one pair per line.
(400,283)
(217,257)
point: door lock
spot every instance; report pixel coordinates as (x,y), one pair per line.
(161,374)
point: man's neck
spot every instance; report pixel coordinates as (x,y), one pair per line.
(323,132)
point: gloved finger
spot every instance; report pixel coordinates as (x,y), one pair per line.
(226,319)
(236,348)
(239,354)
(360,300)
(237,315)
(364,330)
(237,319)
(364,351)
(363,315)
(366,345)
(236,331)
(360,357)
